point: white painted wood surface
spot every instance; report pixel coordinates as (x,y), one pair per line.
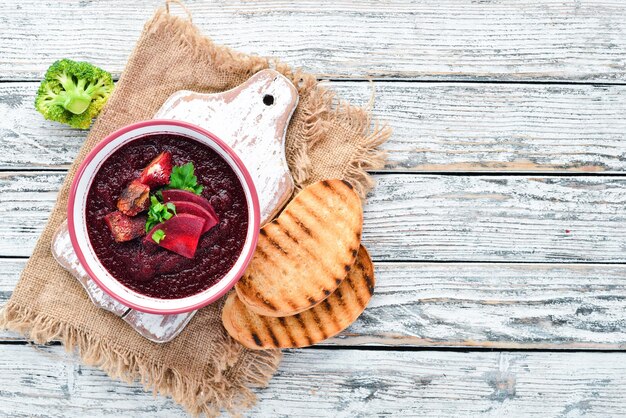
(409,39)
(425,217)
(39,381)
(525,261)
(446,127)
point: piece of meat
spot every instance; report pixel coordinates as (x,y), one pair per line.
(135,198)
(124,228)
(158,172)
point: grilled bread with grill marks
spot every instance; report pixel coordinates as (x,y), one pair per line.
(325,320)
(304,254)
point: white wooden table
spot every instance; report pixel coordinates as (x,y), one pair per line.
(498,226)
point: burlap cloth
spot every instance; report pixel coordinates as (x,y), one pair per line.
(203,368)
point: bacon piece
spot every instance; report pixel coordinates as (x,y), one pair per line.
(135,198)
(124,228)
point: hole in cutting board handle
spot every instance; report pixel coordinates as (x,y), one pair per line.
(268,100)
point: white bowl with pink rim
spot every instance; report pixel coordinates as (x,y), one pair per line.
(76,217)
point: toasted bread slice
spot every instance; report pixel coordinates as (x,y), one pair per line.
(305,254)
(328,318)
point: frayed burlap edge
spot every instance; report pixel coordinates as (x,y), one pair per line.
(207,396)
(210,395)
(319,106)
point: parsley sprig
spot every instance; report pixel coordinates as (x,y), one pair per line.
(159,212)
(183,178)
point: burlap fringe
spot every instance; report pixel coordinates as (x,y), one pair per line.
(318,104)
(206,396)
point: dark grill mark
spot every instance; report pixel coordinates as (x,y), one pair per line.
(354,253)
(347,183)
(286,328)
(370,284)
(291,303)
(354,287)
(276,245)
(328,308)
(257,340)
(263,232)
(318,323)
(303,326)
(300,224)
(319,198)
(338,281)
(310,211)
(327,292)
(268,329)
(265,301)
(340,303)
(291,237)
(347,268)
(260,251)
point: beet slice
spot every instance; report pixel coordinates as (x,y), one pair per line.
(158,172)
(194,209)
(182,233)
(185,196)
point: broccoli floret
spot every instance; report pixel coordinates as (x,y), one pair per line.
(73,93)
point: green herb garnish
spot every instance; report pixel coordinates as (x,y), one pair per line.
(159,212)
(183,178)
(158,235)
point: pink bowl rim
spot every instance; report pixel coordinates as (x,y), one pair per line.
(240,166)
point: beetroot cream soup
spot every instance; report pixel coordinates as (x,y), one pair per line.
(150,269)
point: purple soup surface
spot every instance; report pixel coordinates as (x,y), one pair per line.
(155,271)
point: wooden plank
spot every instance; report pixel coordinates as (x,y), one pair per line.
(461,127)
(346,383)
(425,217)
(419,39)
(567,306)
(26,200)
(497,218)
(447,127)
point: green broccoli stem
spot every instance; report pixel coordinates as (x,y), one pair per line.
(75,98)
(77,104)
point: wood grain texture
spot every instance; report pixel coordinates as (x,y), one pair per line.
(419,39)
(26,200)
(44,381)
(461,127)
(424,217)
(496,218)
(523,306)
(446,127)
